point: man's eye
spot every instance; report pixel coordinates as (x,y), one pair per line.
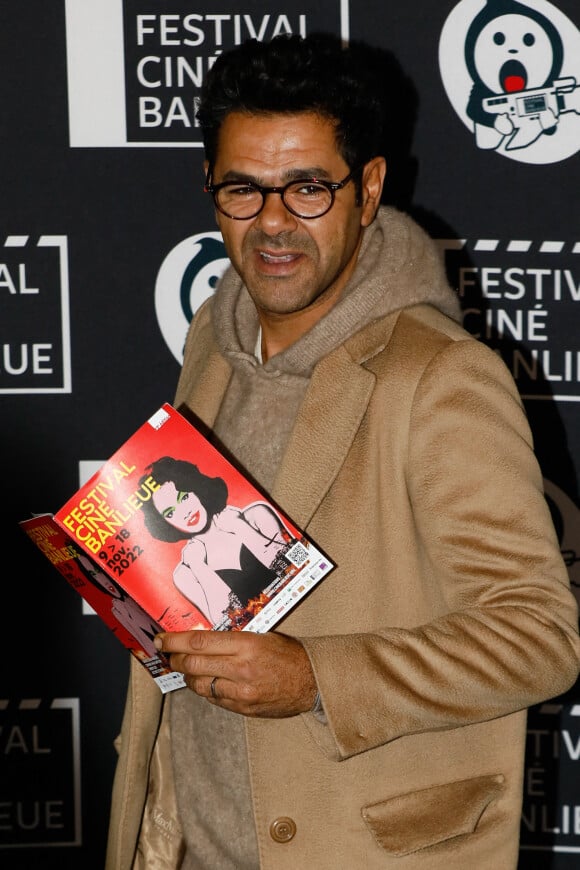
(241,190)
(310,190)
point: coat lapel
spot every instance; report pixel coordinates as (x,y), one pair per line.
(334,406)
(330,415)
(205,392)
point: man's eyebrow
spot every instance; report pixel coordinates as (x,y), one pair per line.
(297,174)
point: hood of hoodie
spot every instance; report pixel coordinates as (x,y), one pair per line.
(399,266)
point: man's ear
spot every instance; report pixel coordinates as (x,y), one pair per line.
(373,179)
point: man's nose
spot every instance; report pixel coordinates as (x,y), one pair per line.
(274,216)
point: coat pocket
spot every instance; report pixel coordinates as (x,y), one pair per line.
(409,822)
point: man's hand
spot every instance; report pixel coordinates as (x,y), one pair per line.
(266,675)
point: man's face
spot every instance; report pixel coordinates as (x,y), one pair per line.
(293,268)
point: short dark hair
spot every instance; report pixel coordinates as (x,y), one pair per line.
(211,491)
(290,74)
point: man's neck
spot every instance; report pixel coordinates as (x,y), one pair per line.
(279,331)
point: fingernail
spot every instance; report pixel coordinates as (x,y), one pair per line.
(158,641)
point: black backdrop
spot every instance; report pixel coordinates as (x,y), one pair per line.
(108,244)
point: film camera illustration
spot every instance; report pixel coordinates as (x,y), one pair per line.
(530,113)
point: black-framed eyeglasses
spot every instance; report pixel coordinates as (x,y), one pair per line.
(305,198)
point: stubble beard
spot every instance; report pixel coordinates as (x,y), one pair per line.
(280,294)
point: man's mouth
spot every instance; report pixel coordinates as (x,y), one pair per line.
(269,257)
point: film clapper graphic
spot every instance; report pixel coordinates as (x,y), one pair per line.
(551,809)
(40,780)
(522,297)
(35,352)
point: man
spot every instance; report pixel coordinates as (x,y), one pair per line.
(382,724)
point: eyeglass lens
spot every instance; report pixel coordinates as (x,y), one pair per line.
(304,199)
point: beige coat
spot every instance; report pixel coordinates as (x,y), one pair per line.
(448,615)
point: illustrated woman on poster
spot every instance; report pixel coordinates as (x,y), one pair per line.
(229,552)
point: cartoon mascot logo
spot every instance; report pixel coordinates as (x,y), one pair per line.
(187,277)
(511,71)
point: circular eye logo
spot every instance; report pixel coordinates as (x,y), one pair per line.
(511,71)
(187,277)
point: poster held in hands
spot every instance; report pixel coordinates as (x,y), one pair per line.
(132,626)
(183,537)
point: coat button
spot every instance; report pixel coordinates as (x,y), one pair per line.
(282,830)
